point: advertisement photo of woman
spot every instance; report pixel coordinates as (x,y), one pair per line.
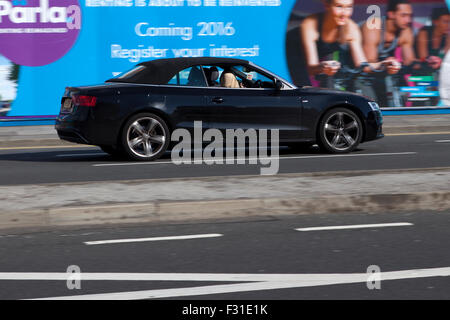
(331,44)
(433,42)
(382,48)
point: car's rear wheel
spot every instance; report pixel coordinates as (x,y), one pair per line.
(340,131)
(145,137)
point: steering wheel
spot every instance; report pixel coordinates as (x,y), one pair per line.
(257,84)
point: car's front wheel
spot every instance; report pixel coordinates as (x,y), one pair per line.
(145,137)
(340,131)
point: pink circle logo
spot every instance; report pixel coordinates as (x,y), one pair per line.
(38,32)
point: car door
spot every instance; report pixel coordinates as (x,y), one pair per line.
(257,108)
(186,99)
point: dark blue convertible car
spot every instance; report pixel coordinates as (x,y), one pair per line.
(135,113)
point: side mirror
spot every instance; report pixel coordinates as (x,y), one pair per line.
(278,84)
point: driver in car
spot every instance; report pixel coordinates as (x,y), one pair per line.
(228,79)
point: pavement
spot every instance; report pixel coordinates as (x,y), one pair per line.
(190,199)
(221,198)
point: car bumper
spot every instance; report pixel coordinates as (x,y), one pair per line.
(374,126)
(73,132)
(82,127)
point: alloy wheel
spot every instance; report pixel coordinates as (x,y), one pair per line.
(146,137)
(341,130)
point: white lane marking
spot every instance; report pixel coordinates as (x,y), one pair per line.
(260,282)
(186,237)
(262,158)
(442,141)
(357,226)
(418,133)
(80,154)
(131,163)
(219,277)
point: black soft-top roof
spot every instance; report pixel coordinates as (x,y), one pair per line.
(160,71)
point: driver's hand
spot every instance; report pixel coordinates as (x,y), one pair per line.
(392,65)
(434,62)
(330,67)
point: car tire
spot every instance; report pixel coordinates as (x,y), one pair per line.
(340,131)
(145,137)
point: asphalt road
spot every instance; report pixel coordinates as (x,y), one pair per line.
(236,259)
(259,258)
(79,163)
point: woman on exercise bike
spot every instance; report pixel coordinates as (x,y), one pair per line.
(331,36)
(433,42)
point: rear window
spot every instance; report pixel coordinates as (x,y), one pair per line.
(130,73)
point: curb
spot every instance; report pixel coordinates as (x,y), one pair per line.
(177,211)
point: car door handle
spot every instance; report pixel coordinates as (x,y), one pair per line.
(217,100)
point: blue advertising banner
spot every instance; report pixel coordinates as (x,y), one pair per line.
(46,45)
(115,35)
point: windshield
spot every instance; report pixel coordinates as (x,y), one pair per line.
(274,75)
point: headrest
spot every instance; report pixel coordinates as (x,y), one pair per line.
(207,73)
(214,73)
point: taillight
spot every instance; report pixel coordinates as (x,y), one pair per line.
(85,101)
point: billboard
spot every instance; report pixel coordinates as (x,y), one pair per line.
(46,45)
